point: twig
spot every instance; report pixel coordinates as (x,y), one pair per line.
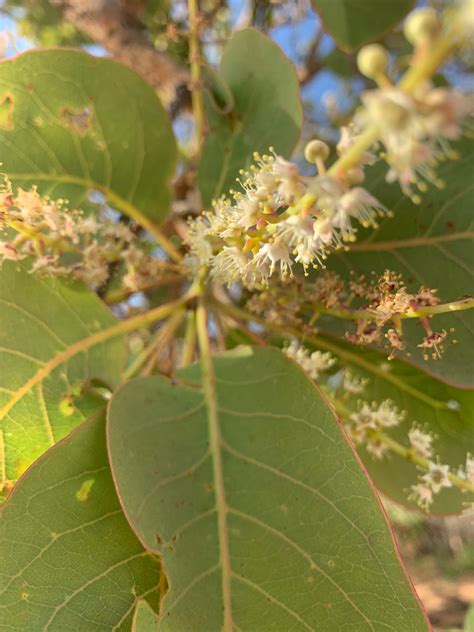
(195,63)
(189,348)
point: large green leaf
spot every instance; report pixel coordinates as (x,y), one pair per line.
(267,111)
(353,23)
(432,245)
(41,322)
(69,559)
(144,618)
(445,411)
(73,123)
(258,506)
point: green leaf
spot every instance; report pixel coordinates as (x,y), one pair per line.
(144,618)
(69,559)
(266,111)
(255,501)
(431,245)
(443,410)
(41,322)
(79,124)
(219,94)
(353,23)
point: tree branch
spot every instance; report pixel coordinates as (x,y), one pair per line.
(312,64)
(116,25)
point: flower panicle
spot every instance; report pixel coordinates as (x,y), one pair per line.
(368,427)
(278,219)
(60,241)
(313,363)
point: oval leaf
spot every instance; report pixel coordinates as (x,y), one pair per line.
(69,559)
(41,321)
(144,618)
(256,503)
(353,23)
(266,111)
(78,124)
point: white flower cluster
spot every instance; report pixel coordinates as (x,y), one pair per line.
(416,125)
(281,218)
(369,420)
(62,241)
(367,427)
(278,219)
(437,478)
(415,131)
(420,442)
(313,363)
(352,384)
(430,484)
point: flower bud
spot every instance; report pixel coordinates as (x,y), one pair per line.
(316,150)
(372,60)
(421,25)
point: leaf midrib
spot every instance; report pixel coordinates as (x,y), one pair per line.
(414,242)
(215,448)
(119,328)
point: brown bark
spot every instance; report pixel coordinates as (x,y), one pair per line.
(116,25)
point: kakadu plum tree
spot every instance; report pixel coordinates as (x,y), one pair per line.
(214,360)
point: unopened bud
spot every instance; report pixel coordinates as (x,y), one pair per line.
(372,60)
(421,25)
(316,150)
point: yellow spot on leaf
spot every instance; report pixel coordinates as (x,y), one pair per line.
(7,106)
(66,406)
(84,490)
(21,465)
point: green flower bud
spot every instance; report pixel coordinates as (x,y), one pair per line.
(316,150)
(421,25)
(372,60)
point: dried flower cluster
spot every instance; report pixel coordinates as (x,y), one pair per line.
(385,300)
(66,242)
(377,306)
